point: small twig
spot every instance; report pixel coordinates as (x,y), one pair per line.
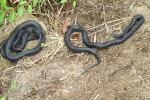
(76,19)
(105,23)
(131,7)
(96,97)
(56,52)
(34,86)
(95,27)
(105,28)
(50,5)
(10,68)
(67,76)
(113,21)
(60,11)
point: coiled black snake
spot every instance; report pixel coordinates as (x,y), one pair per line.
(13,47)
(91,47)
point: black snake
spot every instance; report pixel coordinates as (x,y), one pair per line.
(91,47)
(13,47)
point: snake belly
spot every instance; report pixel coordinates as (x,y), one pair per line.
(13,47)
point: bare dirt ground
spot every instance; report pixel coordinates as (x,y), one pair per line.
(55,72)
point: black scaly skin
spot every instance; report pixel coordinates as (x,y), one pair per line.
(91,47)
(134,25)
(13,47)
(71,47)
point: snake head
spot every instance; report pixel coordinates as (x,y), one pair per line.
(138,18)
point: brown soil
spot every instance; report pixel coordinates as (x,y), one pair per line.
(55,72)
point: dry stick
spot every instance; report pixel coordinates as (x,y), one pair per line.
(117,20)
(43,14)
(56,52)
(57,39)
(95,96)
(93,10)
(46,57)
(34,86)
(60,11)
(40,58)
(76,20)
(54,2)
(131,7)
(95,36)
(95,27)
(41,5)
(2,76)
(66,78)
(104,15)
(51,53)
(116,24)
(66,12)
(47,44)
(104,28)
(13,67)
(50,5)
(91,28)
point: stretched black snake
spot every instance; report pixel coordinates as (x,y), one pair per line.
(13,47)
(91,47)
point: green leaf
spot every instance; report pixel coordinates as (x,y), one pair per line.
(63,1)
(12,16)
(22,3)
(9,8)
(13,85)
(2,98)
(20,0)
(34,2)
(20,10)
(29,9)
(3,3)
(74,3)
(2,16)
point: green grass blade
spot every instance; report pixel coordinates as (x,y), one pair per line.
(2,16)
(20,11)
(29,9)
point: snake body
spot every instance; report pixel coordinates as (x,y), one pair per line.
(71,47)
(91,47)
(134,25)
(13,47)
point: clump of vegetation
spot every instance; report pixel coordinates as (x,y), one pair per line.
(73,2)
(2,98)
(10,9)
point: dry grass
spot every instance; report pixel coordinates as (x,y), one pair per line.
(55,72)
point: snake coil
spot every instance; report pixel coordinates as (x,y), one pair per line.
(13,47)
(91,47)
